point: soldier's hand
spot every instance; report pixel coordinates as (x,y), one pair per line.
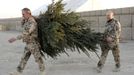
(12,40)
(25,33)
(109,39)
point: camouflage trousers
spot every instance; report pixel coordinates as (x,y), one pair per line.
(115,52)
(31,48)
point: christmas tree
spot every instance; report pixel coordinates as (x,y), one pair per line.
(60,31)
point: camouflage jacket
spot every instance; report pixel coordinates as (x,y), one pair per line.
(113,30)
(29,33)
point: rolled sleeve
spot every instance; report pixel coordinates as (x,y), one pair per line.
(115,33)
(33,25)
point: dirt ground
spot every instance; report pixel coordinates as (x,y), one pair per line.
(76,64)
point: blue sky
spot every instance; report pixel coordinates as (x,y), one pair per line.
(12,8)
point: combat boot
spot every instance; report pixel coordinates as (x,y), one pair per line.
(116,69)
(99,69)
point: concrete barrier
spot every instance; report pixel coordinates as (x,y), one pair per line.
(117,11)
(98,13)
(125,10)
(96,18)
(94,21)
(132,33)
(93,13)
(3,28)
(102,21)
(126,33)
(131,10)
(132,20)
(126,20)
(84,14)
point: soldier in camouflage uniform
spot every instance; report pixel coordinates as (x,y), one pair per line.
(29,36)
(110,42)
